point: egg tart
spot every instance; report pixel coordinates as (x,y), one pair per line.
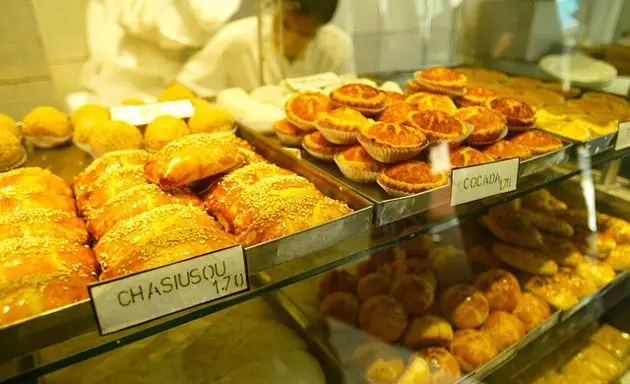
(391,142)
(317,146)
(523,82)
(506,149)
(537,141)
(542,97)
(392,97)
(364,98)
(288,133)
(520,115)
(357,165)
(395,113)
(431,101)
(409,178)
(341,125)
(476,96)
(489,126)
(439,126)
(610,101)
(302,109)
(413,86)
(465,156)
(442,80)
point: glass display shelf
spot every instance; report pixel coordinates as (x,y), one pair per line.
(77,338)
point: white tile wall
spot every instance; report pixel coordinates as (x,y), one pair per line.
(66,78)
(62,27)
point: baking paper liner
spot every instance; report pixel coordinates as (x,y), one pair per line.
(390,155)
(354,174)
(337,136)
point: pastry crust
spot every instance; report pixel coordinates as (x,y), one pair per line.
(24,202)
(342,306)
(302,109)
(509,226)
(543,200)
(340,125)
(505,149)
(537,141)
(439,126)
(504,329)
(317,146)
(288,133)
(465,156)
(431,101)
(416,293)
(562,250)
(520,115)
(357,165)
(619,258)
(501,289)
(427,331)
(362,97)
(410,178)
(531,310)
(443,365)
(43,223)
(552,290)
(599,273)
(523,82)
(441,78)
(525,260)
(336,281)
(383,317)
(373,284)
(464,306)
(391,142)
(489,126)
(547,223)
(33,179)
(578,285)
(472,348)
(476,96)
(393,97)
(395,113)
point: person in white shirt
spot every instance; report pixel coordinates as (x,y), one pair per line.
(137,47)
(307,45)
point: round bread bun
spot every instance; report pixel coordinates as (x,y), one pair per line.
(501,289)
(427,331)
(472,349)
(416,293)
(465,306)
(342,306)
(383,317)
(504,329)
(442,364)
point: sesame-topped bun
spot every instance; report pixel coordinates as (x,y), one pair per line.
(364,98)
(317,146)
(32,179)
(162,131)
(431,101)
(302,109)
(489,126)
(439,126)
(357,165)
(43,223)
(115,135)
(12,201)
(341,125)
(391,142)
(520,115)
(11,152)
(46,127)
(409,178)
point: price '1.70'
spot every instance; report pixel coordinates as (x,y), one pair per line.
(226,283)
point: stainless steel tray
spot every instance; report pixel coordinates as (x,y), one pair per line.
(67,322)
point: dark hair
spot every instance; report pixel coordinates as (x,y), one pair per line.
(322,10)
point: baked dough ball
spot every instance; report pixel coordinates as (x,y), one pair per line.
(210,118)
(443,365)
(11,152)
(378,362)
(9,125)
(336,281)
(531,310)
(501,289)
(89,111)
(383,317)
(46,127)
(451,265)
(85,128)
(472,348)
(342,306)
(465,306)
(429,330)
(373,284)
(176,92)
(417,372)
(162,131)
(416,293)
(114,136)
(504,329)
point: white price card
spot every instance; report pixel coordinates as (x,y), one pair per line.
(144,114)
(144,296)
(623,136)
(484,180)
(307,83)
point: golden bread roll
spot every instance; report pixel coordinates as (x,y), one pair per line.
(12,154)
(210,118)
(32,256)
(336,281)
(553,290)
(417,371)
(619,258)
(616,228)
(169,247)
(613,340)
(542,200)
(443,365)
(43,223)
(593,244)
(46,127)
(193,158)
(526,260)
(577,284)
(127,235)
(575,217)
(547,223)
(114,135)
(383,317)
(162,130)
(134,201)
(342,306)
(599,273)
(562,250)
(378,362)
(464,306)
(33,179)
(507,225)
(414,292)
(472,349)
(427,331)
(372,284)
(501,289)
(451,265)
(31,296)
(504,329)
(19,202)
(531,310)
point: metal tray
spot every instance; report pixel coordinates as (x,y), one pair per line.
(76,319)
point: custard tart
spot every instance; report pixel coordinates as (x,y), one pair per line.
(317,146)
(391,142)
(392,97)
(409,178)
(465,156)
(439,126)
(611,101)
(431,101)
(395,113)
(523,82)
(520,115)
(482,75)
(357,165)
(364,98)
(442,80)
(538,142)
(489,126)
(302,109)
(476,96)
(413,86)
(341,125)
(506,150)
(288,133)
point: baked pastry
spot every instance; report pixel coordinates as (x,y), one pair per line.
(391,142)
(613,340)
(472,349)
(531,310)
(501,289)
(464,306)
(543,200)
(482,75)
(481,255)
(13,202)
(451,265)
(427,331)
(416,293)
(526,260)
(547,222)
(162,131)
(393,97)
(115,136)
(379,362)
(46,127)
(362,97)
(599,273)
(489,126)
(31,296)
(288,133)
(7,124)
(523,82)
(11,152)
(33,179)
(465,156)
(210,118)
(336,281)
(409,178)
(431,101)
(507,225)
(413,86)
(193,158)
(341,125)
(506,149)
(395,113)
(417,247)
(592,244)
(619,258)
(520,115)
(357,165)
(476,96)
(317,146)
(553,290)
(417,372)
(43,223)
(383,317)
(562,250)
(415,266)
(616,228)
(33,256)
(504,329)
(537,141)
(439,126)
(442,80)
(577,284)
(373,284)
(134,201)
(175,91)
(443,366)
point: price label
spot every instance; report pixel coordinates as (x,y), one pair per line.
(623,136)
(144,114)
(484,180)
(144,296)
(320,80)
